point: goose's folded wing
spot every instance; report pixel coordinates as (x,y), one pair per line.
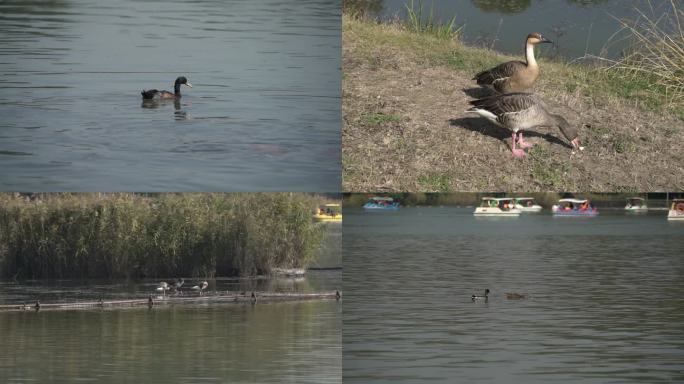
(501,71)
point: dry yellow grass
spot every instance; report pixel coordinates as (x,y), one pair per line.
(406,129)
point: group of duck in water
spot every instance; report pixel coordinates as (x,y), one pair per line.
(509,296)
(514,108)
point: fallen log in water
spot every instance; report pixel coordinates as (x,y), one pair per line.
(155,300)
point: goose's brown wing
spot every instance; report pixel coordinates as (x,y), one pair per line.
(506,103)
(500,72)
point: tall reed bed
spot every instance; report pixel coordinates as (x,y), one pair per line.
(130,235)
(657,52)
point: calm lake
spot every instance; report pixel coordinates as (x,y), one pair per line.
(606,298)
(290,342)
(263,114)
(578,27)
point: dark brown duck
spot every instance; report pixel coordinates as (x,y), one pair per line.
(153,93)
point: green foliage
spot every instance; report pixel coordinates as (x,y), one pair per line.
(428,25)
(361,8)
(435,182)
(128,235)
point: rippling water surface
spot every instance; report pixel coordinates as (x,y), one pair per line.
(578,27)
(263,113)
(606,298)
(295,342)
(202,342)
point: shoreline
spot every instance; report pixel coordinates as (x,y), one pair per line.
(405,127)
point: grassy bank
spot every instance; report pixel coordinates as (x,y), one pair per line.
(405,95)
(129,235)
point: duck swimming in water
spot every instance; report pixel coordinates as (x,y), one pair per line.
(516,296)
(153,93)
(477,297)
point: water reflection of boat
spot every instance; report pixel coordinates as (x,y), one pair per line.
(574,207)
(492,206)
(378,203)
(527,204)
(676,210)
(636,204)
(328,212)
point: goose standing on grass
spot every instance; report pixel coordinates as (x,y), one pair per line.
(514,76)
(153,93)
(477,297)
(520,111)
(200,287)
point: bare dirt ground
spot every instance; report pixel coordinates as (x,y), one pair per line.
(406,129)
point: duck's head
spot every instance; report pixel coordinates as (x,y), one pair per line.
(569,132)
(183,80)
(486,291)
(537,38)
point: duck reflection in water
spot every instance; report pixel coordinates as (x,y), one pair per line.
(178,114)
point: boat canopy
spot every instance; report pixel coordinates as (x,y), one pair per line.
(635,199)
(574,201)
(378,198)
(497,198)
(524,198)
(331,205)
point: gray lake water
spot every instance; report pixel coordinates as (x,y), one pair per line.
(297,342)
(606,298)
(263,114)
(578,27)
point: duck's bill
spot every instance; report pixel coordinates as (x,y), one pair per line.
(189,85)
(545,40)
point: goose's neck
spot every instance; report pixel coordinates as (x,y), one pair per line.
(529,55)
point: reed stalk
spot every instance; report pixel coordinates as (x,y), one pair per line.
(132,235)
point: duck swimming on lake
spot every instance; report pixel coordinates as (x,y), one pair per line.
(153,93)
(477,297)
(516,296)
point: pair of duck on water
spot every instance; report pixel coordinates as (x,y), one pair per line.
(512,107)
(509,296)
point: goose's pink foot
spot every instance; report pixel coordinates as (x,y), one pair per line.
(517,153)
(522,143)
